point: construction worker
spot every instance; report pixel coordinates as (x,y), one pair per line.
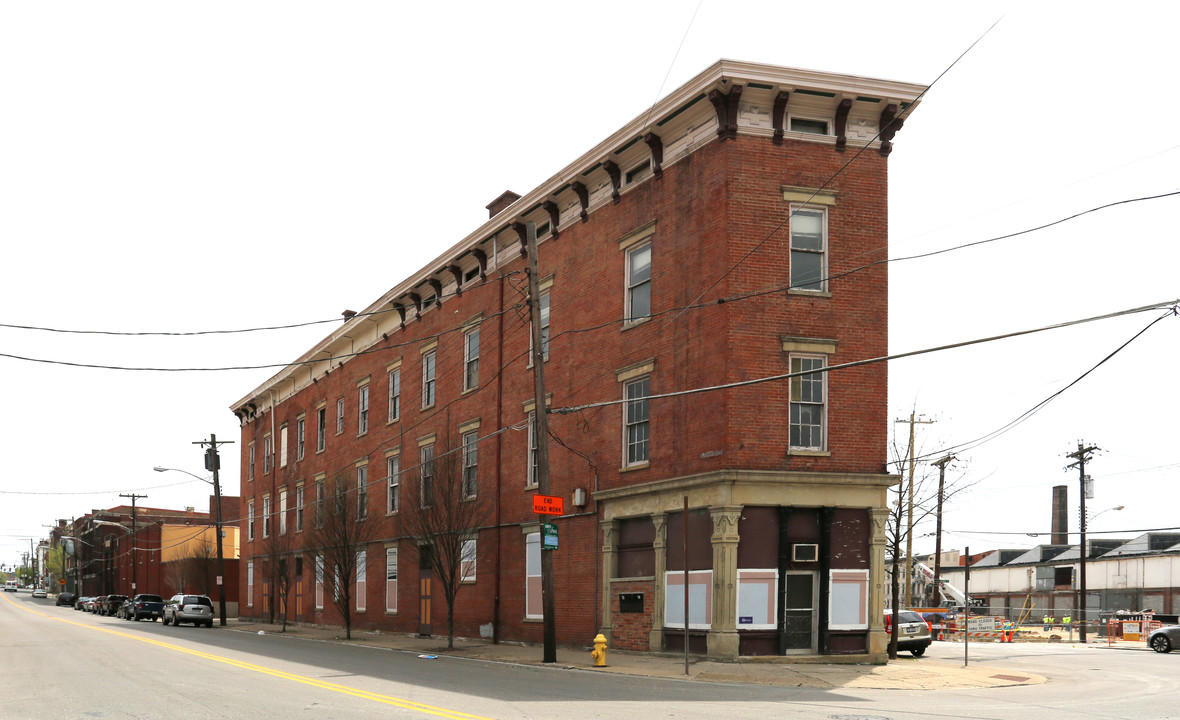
(1047,621)
(1065,623)
(1008,631)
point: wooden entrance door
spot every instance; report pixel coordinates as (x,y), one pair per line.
(425,589)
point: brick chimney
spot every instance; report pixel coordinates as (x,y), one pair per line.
(498,205)
(1060,515)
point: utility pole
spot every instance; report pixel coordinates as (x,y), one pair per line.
(909,533)
(213,463)
(134,539)
(541,428)
(938,529)
(1080,457)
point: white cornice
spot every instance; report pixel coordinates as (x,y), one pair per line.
(722,74)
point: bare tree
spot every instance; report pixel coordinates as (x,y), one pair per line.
(280,564)
(442,514)
(339,534)
(898,527)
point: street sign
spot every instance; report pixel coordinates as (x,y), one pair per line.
(61,581)
(548,536)
(548,505)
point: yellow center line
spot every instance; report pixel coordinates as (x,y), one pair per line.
(303,679)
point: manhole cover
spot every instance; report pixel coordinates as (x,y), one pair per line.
(1013,678)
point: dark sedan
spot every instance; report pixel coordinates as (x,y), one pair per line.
(66,598)
(1164,639)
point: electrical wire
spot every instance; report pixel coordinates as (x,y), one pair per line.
(857,363)
(970,445)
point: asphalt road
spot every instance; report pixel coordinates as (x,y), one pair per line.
(60,663)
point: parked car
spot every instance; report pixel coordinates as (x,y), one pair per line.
(1164,639)
(197,609)
(143,606)
(111,605)
(11,586)
(124,609)
(913,632)
(94,603)
(80,603)
(40,593)
(66,598)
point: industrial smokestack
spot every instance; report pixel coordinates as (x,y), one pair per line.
(1060,515)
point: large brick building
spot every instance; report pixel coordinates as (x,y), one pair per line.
(725,236)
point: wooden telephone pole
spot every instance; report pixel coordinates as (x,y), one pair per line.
(1080,457)
(541,428)
(134,543)
(909,533)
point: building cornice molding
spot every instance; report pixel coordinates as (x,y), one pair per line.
(723,77)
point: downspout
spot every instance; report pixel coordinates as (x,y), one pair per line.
(274,473)
(499,440)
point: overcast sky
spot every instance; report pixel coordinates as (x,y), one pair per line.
(183,167)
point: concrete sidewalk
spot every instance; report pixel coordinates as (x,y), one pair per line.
(905,673)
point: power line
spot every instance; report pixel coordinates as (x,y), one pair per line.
(857,363)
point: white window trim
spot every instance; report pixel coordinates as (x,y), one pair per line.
(626,425)
(766,585)
(629,287)
(531,477)
(810,118)
(532,544)
(823,252)
(362,580)
(474,447)
(282,512)
(470,360)
(362,491)
(300,514)
(469,553)
(391,571)
(362,409)
(393,483)
(824,405)
(394,396)
(429,381)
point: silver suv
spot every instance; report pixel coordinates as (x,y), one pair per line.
(196,609)
(913,632)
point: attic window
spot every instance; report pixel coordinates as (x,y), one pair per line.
(810,126)
(471,274)
(428,302)
(542,229)
(639,172)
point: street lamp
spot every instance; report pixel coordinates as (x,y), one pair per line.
(220,555)
(1100,512)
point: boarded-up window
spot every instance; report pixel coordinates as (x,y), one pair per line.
(700,540)
(637,557)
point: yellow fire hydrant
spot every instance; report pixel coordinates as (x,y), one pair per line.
(599,652)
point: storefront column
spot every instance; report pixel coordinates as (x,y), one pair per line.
(610,567)
(660,546)
(878,640)
(723,635)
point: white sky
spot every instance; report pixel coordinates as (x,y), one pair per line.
(180,167)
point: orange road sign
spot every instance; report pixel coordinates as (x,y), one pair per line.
(548,505)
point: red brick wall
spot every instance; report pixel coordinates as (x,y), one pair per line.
(711,209)
(631,630)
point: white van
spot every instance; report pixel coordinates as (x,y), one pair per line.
(11,586)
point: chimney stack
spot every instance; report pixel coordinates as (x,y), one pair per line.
(501,203)
(1060,515)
